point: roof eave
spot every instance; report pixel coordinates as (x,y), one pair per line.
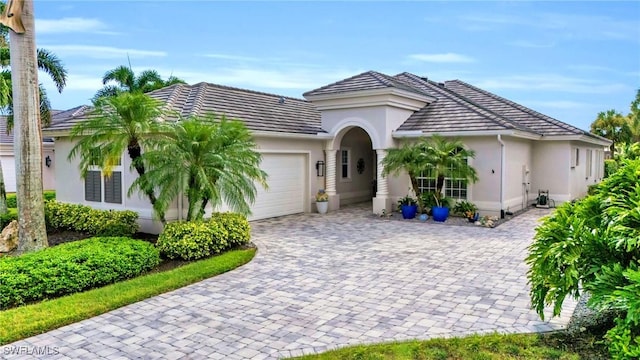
(581,137)
(418,133)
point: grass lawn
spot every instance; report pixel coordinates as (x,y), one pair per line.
(476,347)
(19,323)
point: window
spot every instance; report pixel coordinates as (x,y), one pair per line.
(345,164)
(589,163)
(93,188)
(454,187)
(575,157)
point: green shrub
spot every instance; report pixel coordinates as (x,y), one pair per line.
(12,202)
(72,267)
(190,240)
(237,227)
(463,207)
(594,243)
(76,217)
(610,167)
(5,219)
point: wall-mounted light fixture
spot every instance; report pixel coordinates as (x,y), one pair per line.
(320,168)
(47,161)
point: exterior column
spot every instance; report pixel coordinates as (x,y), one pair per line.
(330,169)
(330,179)
(382,202)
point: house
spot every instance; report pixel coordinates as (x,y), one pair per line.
(337,137)
(9,165)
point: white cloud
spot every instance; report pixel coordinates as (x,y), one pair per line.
(101,52)
(442,58)
(68,25)
(75,81)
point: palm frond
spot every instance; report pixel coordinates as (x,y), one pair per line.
(52,65)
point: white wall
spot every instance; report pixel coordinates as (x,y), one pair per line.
(9,167)
(486,192)
(518,159)
(551,169)
(70,186)
(358,187)
(580,179)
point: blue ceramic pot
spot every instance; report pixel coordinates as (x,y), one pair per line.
(439,214)
(409,211)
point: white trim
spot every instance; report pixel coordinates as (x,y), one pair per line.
(583,138)
(343,179)
(372,92)
(418,133)
(337,133)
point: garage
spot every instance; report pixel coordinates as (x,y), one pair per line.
(286,194)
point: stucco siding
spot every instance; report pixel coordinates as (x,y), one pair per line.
(586,172)
(9,167)
(518,165)
(551,169)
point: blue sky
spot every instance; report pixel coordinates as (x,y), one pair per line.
(568,60)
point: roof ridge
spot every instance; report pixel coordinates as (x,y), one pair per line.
(370,72)
(250,91)
(523,108)
(496,118)
(198,100)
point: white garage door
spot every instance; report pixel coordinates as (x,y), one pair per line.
(286,193)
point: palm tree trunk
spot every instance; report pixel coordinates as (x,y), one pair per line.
(135,154)
(416,191)
(28,136)
(440,184)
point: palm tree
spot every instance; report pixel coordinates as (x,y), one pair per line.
(28,137)
(47,62)
(613,126)
(126,81)
(126,121)
(213,159)
(442,156)
(634,117)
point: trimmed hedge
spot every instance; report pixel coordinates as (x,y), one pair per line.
(190,240)
(73,267)
(82,218)
(12,202)
(237,226)
(5,219)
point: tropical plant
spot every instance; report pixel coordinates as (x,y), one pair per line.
(465,208)
(634,118)
(213,160)
(126,121)
(126,81)
(613,126)
(322,196)
(442,156)
(594,245)
(408,201)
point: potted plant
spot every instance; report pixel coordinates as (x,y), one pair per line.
(322,201)
(440,212)
(467,209)
(428,201)
(408,206)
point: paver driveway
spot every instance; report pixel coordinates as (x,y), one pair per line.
(320,282)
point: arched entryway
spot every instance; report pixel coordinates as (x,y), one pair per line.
(355,167)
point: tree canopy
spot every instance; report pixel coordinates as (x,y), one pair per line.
(123,79)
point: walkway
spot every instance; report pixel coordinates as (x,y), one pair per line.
(321,282)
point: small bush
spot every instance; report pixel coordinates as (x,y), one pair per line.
(5,219)
(72,267)
(463,207)
(12,202)
(76,217)
(236,225)
(190,240)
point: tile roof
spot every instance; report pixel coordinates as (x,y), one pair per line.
(259,111)
(370,80)
(451,112)
(65,119)
(531,119)
(6,137)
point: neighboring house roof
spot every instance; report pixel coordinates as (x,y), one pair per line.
(6,137)
(65,119)
(370,80)
(259,111)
